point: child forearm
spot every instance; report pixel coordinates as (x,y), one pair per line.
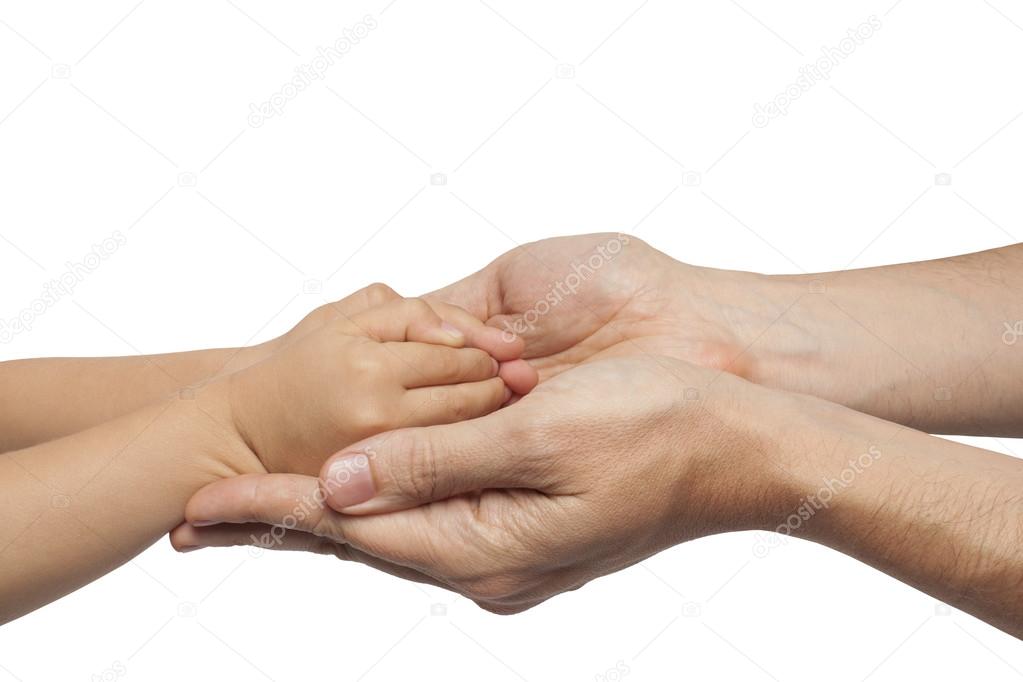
(77,507)
(47,398)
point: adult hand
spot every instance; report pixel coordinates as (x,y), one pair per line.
(587,297)
(852,337)
(594,470)
(612,461)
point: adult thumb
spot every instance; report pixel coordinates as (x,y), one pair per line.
(410,467)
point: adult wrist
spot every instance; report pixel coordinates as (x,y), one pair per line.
(755,326)
(826,335)
(879,341)
(731,443)
(827,462)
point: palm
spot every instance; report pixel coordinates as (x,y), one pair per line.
(635,301)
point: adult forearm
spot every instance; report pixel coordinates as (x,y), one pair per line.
(77,507)
(932,345)
(938,515)
(47,398)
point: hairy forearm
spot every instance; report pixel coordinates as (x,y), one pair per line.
(938,515)
(78,507)
(47,398)
(932,345)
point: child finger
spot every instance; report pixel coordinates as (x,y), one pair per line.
(519,376)
(432,405)
(502,344)
(408,319)
(425,364)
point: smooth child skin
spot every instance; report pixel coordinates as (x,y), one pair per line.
(668,410)
(59,396)
(79,506)
(395,363)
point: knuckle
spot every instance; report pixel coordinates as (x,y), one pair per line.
(368,418)
(339,550)
(418,308)
(479,400)
(545,437)
(448,365)
(369,366)
(263,496)
(496,395)
(477,361)
(416,478)
(460,408)
(378,293)
(328,530)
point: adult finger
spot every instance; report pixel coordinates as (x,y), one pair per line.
(421,539)
(187,538)
(411,467)
(478,294)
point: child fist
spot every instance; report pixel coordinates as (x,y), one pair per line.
(393,365)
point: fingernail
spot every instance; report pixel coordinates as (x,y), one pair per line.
(200,523)
(349,482)
(496,366)
(188,548)
(452,330)
(507,395)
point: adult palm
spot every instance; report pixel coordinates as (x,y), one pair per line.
(582,298)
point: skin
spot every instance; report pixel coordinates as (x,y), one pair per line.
(878,340)
(393,363)
(693,390)
(510,509)
(79,506)
(55,397)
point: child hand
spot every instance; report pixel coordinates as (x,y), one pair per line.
(393,365)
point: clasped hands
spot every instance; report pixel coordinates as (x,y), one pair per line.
(585,402)
(433,412)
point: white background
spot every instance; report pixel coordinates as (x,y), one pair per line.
(108,112)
